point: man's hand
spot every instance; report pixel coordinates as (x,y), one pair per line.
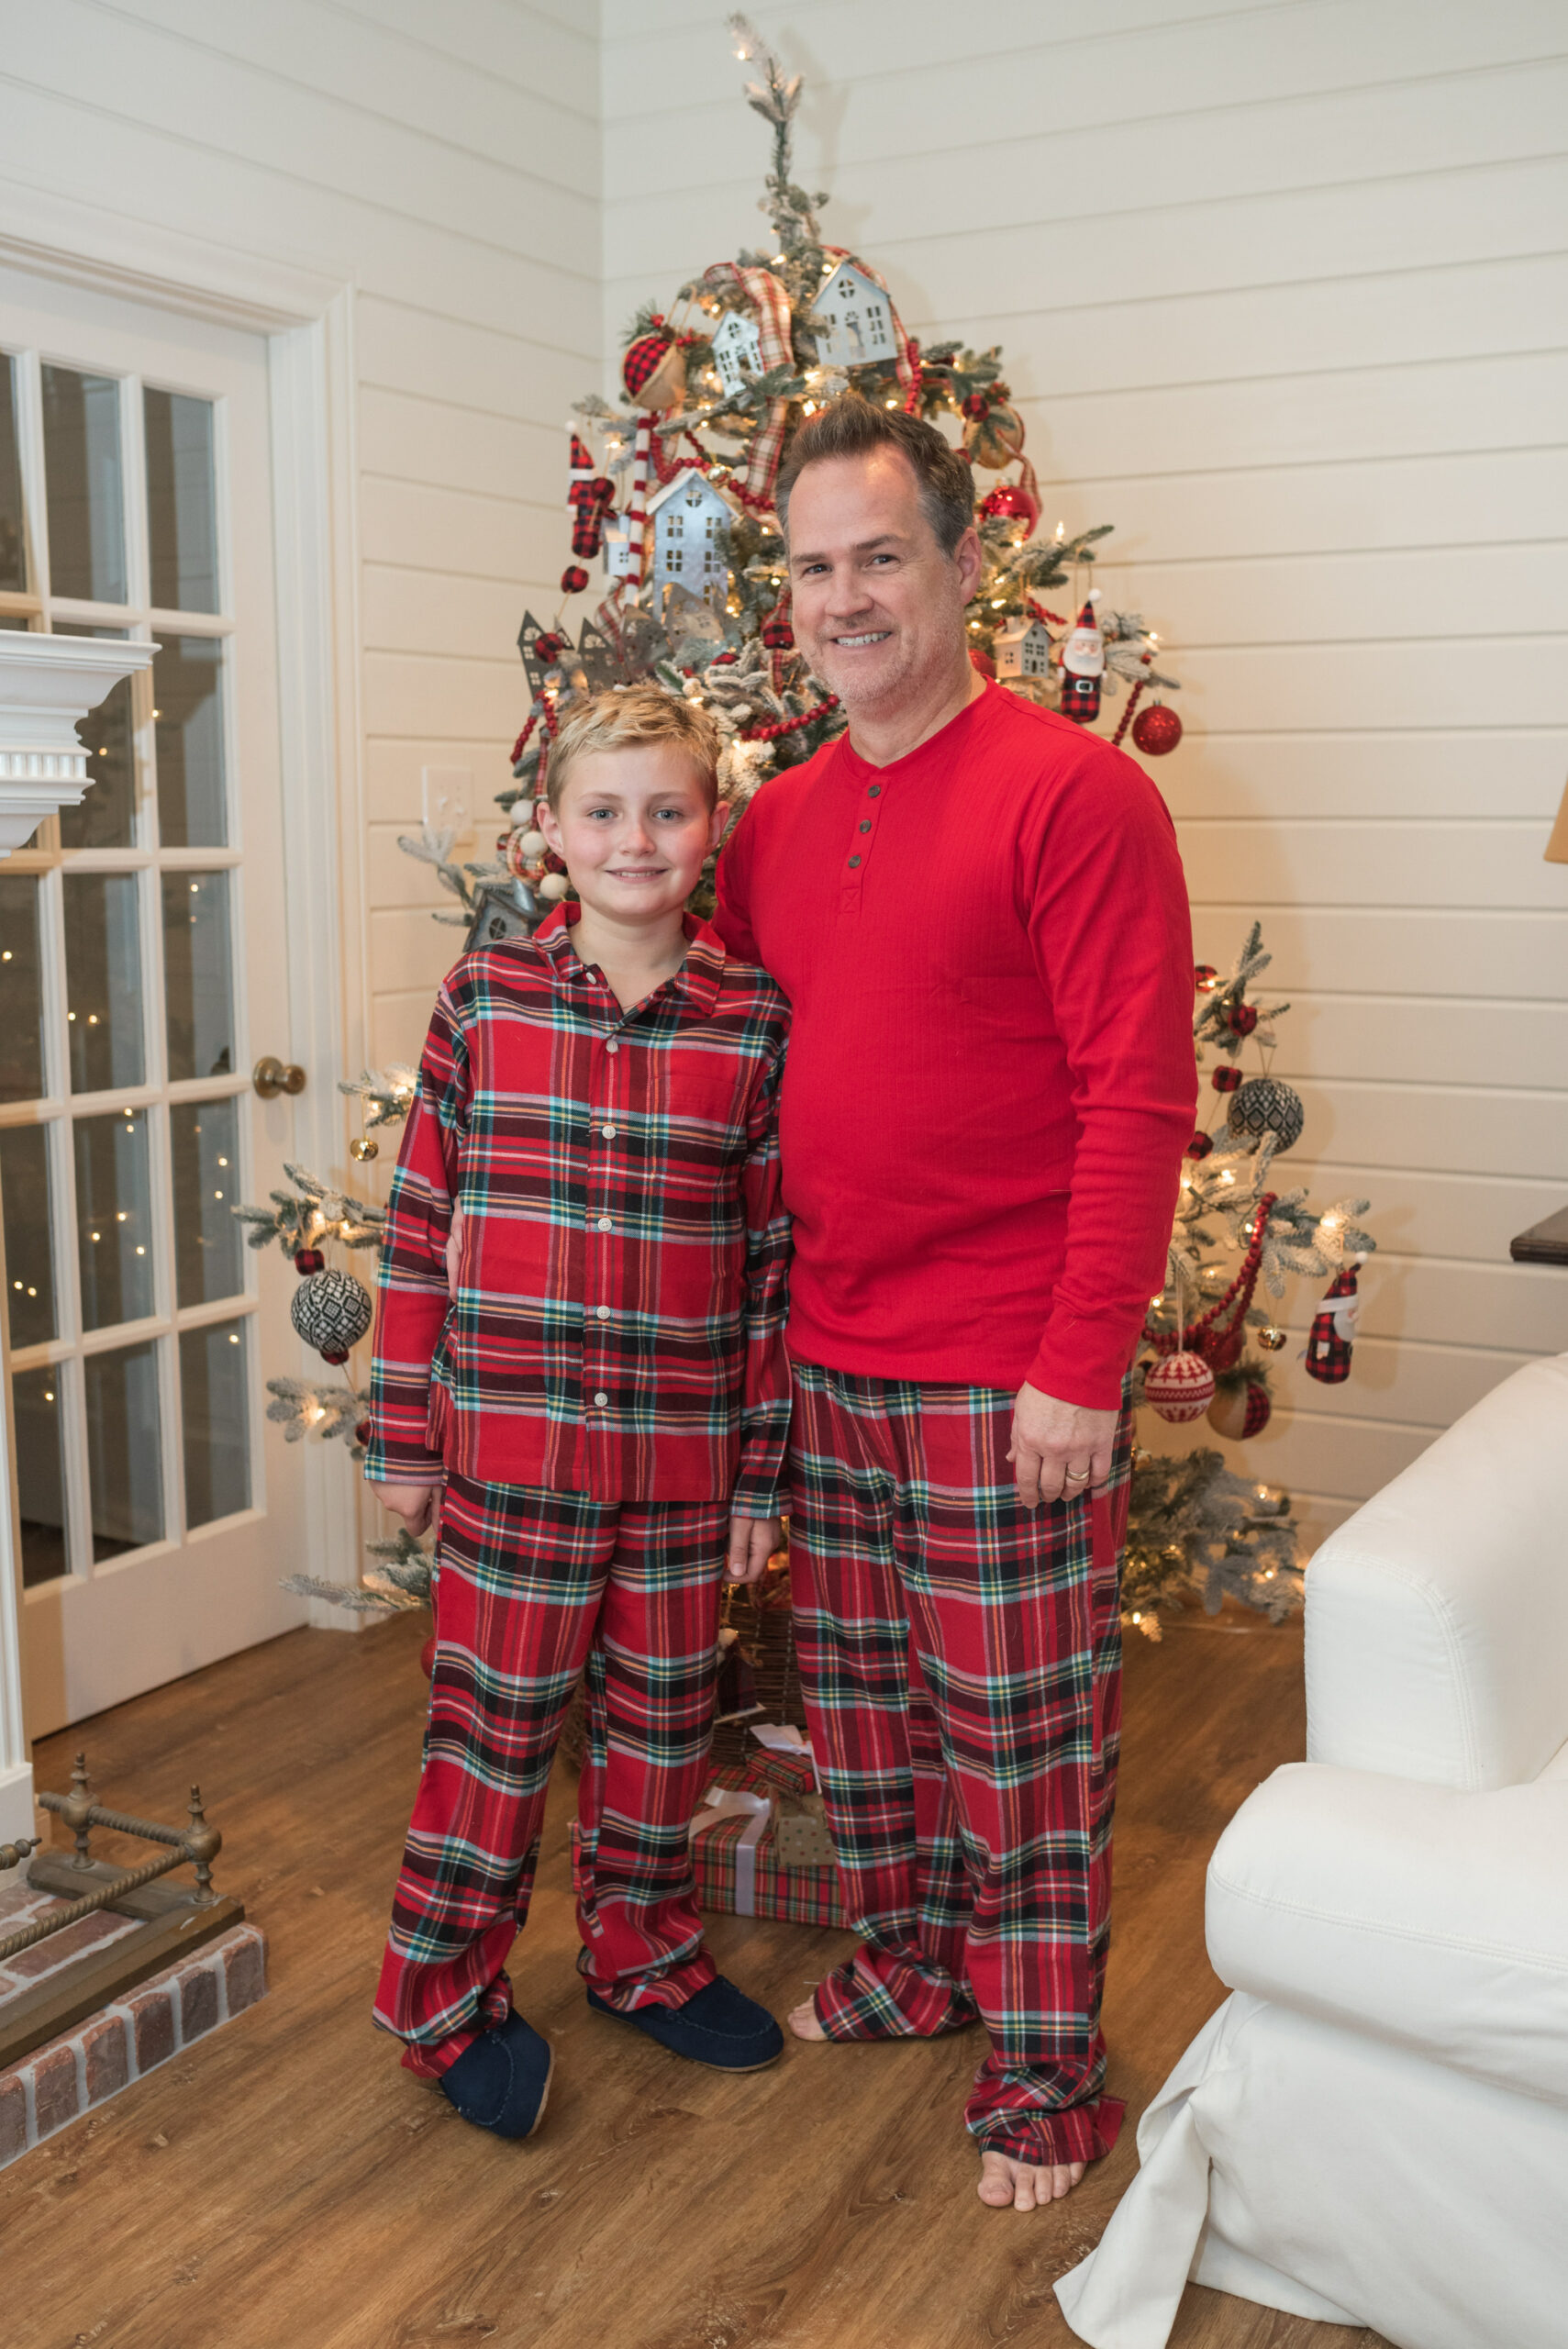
(1058,1449)
(454,1250)
(414,1504)
(752,1540)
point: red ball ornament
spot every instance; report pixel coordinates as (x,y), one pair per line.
(310,1260)
(363,1432)
(428,1656)
(977,404)
(642,360)
(1258,1410)
(335,1354)
(1179,1387)
(1156,729)
(573,579)
(549,648)
(1242,1019)
(1200,1146)
(1204,977)
(1011,501)
(1226,1080)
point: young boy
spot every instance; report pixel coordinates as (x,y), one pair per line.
(600,1408)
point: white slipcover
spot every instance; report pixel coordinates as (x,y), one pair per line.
(1373,2129)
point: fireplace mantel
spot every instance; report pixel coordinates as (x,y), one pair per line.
(48,684)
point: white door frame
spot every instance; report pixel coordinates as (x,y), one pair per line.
(307,318)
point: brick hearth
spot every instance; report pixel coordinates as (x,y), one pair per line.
(69,2076)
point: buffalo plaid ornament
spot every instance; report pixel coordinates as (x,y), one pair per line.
(1333,1330)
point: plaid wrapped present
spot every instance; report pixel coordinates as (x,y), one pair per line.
(781,1758)
(739,1868)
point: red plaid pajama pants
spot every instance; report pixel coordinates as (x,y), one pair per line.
(531,1586)
(960,1658)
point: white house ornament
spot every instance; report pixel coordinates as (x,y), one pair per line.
(331,1311)
(689,518)
(736,350)
(857,321)
(1023,650)
(1179,1386)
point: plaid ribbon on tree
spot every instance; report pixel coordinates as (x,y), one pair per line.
(770,303)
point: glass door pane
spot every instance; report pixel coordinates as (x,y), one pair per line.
(125,1448)
(214,1417)
(13,535)
(86,489)
(114,1218)
(181,502)
(40,1474)
(103,981)
(106,817)
(29,1254)
(21,985)
(187,689)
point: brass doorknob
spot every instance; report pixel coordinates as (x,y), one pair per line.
(273,1076)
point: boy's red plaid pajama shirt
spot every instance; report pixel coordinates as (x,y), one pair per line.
(987,954)
(606,1387)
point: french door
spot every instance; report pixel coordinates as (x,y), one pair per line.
(142,937)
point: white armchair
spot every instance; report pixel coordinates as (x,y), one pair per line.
(1374,2128)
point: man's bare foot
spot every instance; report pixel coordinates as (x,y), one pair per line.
(1005,2181)
(804,2024)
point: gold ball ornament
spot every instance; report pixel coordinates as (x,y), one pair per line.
(995,439)
(362,1147)
(1272,1340)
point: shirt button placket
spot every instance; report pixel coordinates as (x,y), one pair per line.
(603,1130)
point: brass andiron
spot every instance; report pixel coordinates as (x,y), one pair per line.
(196,1847)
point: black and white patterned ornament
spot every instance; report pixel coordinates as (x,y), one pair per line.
(1264,1104)
(331,1311)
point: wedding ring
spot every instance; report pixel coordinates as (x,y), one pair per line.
(1078,1475)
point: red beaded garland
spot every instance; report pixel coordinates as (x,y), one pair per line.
(789,725)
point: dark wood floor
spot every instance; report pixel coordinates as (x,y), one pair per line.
(285,2186)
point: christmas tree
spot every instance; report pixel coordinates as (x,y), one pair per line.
(677,505)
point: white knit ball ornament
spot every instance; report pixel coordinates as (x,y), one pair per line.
(1179,1386)
(553,886)
(533,845)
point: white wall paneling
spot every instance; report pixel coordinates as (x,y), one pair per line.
(1282,293)
(1281,285)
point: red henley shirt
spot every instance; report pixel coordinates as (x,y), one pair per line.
(990,1081)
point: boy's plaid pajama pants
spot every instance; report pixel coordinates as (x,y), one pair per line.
(530,1584)
(960,1657)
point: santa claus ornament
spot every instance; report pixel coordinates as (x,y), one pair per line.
(1083,666)
(1334,1329)
(1179,1386)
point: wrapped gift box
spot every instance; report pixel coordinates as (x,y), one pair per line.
(740,1870)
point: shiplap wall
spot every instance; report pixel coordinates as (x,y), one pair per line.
(1281,290)
(446,159)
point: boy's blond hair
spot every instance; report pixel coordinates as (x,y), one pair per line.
(625,718)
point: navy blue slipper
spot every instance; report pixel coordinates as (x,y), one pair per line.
(721,2027)
(501,2082)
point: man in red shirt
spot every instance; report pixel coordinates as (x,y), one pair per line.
(978,914)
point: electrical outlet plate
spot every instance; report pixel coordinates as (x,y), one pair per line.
(446,798)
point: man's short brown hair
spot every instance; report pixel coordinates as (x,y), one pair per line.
(624,718)
(851,427)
